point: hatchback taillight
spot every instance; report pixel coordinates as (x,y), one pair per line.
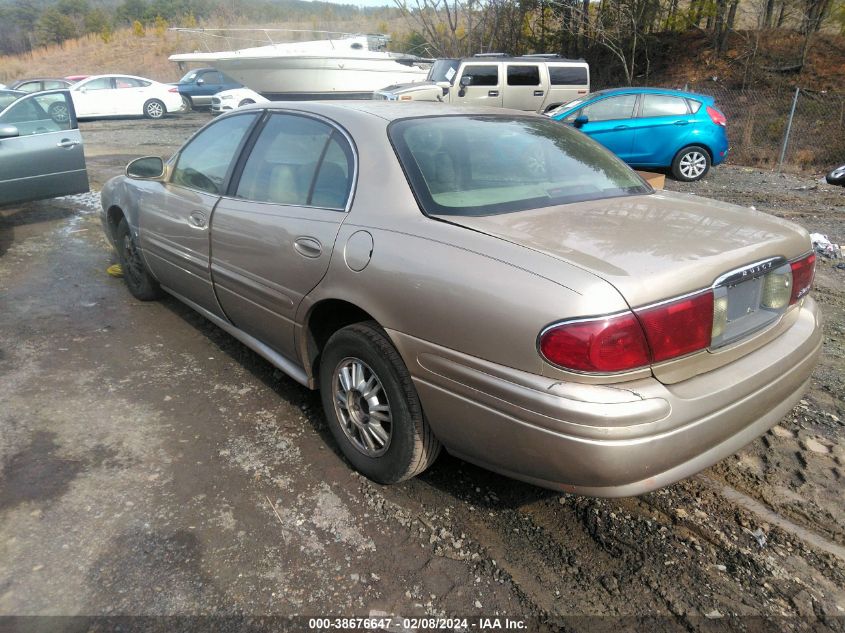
(717,117)
(803,272)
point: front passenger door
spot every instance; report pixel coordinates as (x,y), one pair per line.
(40,149)
(609,123)
(483,85)
(175,215)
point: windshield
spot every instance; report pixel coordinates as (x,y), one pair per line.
(483,165)
(188,78)
(444,70)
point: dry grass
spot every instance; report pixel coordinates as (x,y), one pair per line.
(147,56)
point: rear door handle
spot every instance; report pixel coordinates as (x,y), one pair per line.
(66,143)
(492,93)
(308,247)
(681,122)
(197,219)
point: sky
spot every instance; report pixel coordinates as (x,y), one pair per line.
(364,3)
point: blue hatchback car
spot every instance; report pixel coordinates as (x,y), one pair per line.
(653,127)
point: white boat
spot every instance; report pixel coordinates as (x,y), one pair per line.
(344,67)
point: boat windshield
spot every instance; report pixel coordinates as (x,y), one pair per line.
(444,70)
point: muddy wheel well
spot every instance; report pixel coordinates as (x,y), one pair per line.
(114,216)
(326,318)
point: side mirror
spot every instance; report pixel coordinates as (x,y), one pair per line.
(581,120)
(200,82)
(146,168)
(8,131)
(465,81)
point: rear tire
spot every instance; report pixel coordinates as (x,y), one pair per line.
(58,111)
(372,407)
(154,109)
(138,279)
(187,104)
(691,163)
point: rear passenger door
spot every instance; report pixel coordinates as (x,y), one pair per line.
(524,89)
(484,87)
(663,126)
(274,232)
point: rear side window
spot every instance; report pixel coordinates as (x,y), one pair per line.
(103,83)
(568,75)
(485,165)
(694,106)
(212,78)
(482,75)
(205,161)
(663,105)
(523,76)
(298,161)
(55,85)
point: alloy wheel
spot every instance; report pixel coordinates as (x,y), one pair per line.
(154,110)
(362,407)
(693,164)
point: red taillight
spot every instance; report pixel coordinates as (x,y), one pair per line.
(599,345)
(632,340)
(803,272)
(717,117)
(678,327)
(174,89)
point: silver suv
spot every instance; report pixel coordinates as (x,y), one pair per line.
(535,83)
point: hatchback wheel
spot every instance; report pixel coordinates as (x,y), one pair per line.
(372,407)
(154,109)
(58,112)
(138,279)
(691,163)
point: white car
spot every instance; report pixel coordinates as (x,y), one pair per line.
(124,95)
(234,99)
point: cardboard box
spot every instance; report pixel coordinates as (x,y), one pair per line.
(657,181)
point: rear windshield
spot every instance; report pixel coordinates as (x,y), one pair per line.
(484,165)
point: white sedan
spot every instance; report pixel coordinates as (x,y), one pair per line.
(124,95)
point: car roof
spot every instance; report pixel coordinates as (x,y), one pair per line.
(387,110)
(109,75)
(645,90)
(28,79)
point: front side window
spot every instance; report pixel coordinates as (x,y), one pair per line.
(39,114)
(484,165)
(663,105)
(621,107)
(7,98)
(482,75)
(205,161)
(55,85)
(523,75)
(298,161)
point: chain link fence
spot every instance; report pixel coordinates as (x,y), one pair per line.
(790,129)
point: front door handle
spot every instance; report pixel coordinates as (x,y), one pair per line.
(681,122)
(621,127)
(538,93)
(492,93)
(308,247)
(66,143)
(197,219)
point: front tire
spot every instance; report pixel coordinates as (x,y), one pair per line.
(141,284)
(372,407)
(154,109)
(691,163)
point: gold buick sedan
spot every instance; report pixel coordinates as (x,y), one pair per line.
(487,281)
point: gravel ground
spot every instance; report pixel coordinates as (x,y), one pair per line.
(152,465)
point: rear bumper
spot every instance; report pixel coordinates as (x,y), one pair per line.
(609,441)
